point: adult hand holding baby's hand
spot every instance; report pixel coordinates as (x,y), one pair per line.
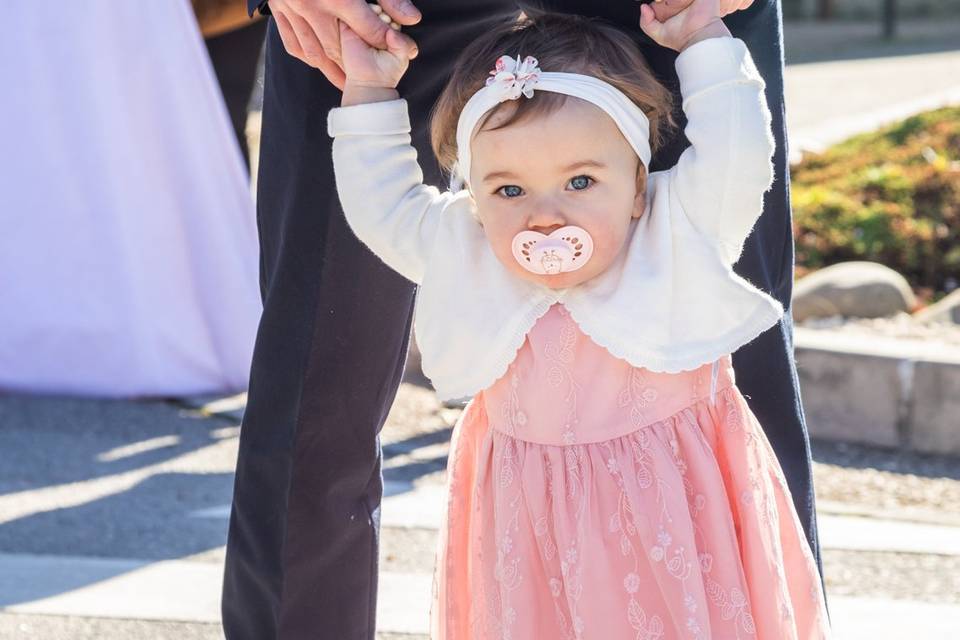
(310,29)
(677,24)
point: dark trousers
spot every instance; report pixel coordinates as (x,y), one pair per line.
(303,542)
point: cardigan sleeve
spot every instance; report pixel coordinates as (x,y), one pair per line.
(380,184)
(720,179)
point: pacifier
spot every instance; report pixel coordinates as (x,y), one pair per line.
(566,249)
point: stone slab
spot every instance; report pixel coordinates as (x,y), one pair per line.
(878,390)
(849,396)
(935,419)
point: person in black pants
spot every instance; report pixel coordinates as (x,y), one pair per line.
(303,542)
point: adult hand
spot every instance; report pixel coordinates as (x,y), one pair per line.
(663,10)
(309,29)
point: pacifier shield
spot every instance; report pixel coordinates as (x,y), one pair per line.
(566,249)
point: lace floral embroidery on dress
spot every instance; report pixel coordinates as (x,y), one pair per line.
(548,549)
(637,395)
(561,354)
(567,586)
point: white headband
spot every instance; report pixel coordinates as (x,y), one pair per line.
(512,78)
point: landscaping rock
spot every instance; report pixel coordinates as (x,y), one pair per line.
(852,289)
(945,311)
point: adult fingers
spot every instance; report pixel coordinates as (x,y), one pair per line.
(328,33)
(288,37)
(402,11)
(316,59)
(368,25)
(313,51)
(333,72)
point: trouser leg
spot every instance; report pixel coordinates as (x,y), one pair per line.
(302,549)
(303,541)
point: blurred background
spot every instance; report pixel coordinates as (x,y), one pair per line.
(129,297)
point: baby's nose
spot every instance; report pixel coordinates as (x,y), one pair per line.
(546,230)
(546,220)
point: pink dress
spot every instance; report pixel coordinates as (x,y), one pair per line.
(589,499)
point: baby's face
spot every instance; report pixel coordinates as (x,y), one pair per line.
(571,167)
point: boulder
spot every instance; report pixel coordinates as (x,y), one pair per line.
(947,310)
(853,290)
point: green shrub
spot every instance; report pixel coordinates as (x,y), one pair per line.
(890,196)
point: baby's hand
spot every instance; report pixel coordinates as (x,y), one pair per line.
(371,68)
(697,21)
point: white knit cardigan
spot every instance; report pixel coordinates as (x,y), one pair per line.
(669,302)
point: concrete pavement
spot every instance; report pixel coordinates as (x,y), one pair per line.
(827,102)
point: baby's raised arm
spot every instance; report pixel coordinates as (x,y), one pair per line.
(381,185)
(378,179)
(719,181)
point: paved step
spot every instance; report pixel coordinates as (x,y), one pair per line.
(874,619)
(175,590)
(110,587)
(815,91)
(868,534)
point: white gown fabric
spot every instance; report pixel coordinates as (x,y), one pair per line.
(128,246)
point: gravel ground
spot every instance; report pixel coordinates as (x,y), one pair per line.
(896,576)
(408,550)
(890,480)
(39,627)
(34,627)
(901,325)
(416,436)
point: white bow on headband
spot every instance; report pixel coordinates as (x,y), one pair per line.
(512,78)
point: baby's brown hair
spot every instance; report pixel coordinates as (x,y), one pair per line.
(559,42)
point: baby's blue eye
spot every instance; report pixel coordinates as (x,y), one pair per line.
(580,183)
(511,191)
